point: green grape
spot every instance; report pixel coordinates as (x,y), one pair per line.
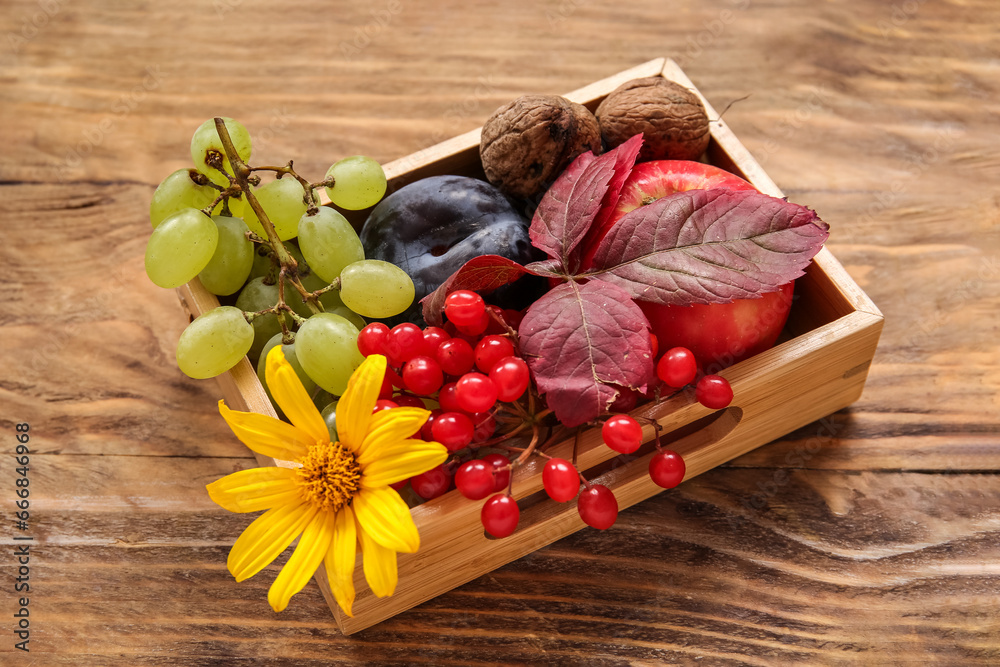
(310,280)
(331,300)
(359,182)
(206,138)
(329,414)
(258,295)
(263,263)
(235,208)
(322,398)
(327,346)
(289,352)
(214,342)
(180,247)
(177,192)
(373,288)
(254,297)
(329,243)
(350,316)
(262,267)
(282,201)
(230,265)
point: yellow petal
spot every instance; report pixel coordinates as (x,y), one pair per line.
(387,451)
(292,397)
(386,519)
(267,435)
(393,466)
(354,410)
(308,555)
(379,565)
(255,489)
(340,559)
(266,537)
(388,427)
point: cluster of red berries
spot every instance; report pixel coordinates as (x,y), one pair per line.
(678,368)
(467,366)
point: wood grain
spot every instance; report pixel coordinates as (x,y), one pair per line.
(869,538)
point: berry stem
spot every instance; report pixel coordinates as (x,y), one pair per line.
(530,448)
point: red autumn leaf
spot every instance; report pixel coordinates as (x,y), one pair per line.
(625,158)
(567,211)
(481,274)
(580,341)
(549,268)
(709,246)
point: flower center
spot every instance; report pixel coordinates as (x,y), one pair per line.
(329,476)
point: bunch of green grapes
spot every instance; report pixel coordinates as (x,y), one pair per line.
(207,224)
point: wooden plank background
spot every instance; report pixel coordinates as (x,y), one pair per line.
(872,537)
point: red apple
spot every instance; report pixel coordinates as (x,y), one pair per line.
(720,334)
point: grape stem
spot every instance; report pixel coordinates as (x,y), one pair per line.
(309,199)
(289,267)
(335,285)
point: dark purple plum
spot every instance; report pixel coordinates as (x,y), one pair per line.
(431,227)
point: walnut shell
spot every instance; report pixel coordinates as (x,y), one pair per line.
(671,118)
(527,143)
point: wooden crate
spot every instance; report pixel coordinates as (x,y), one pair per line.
(819,368)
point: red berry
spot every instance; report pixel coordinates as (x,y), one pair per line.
(500,515)
(490,350)
(434,336)
(455,356)
(453,430)
(371,338)
(446,397)
(475,392)
(408,401)
(560,479)
(431,484)
(495,325)
(399,485)
(464,307)
(426,431)
(677,367)
(403,342)
(713,391)
(511,377)
(622,434)
(477,327)
(485,424)
(422,375)
(513,318)
(384,404)
(654,344)
(598,507)
(385,391)
(394,378)
(501,468)
(667,469)
(475,479)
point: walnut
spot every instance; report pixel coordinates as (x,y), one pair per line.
(671,118)
(528,142)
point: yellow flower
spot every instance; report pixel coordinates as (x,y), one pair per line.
(336,495)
